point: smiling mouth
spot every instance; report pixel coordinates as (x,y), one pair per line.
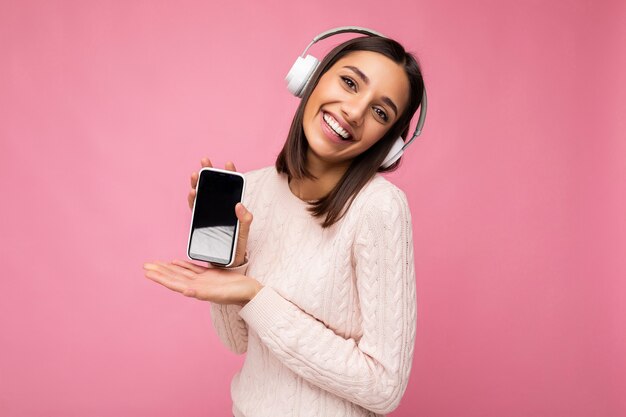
(336,127)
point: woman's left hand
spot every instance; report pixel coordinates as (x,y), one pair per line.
(208,284)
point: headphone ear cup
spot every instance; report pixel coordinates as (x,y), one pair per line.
(300,74)
(394,154)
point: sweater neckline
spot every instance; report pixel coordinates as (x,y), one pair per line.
(307,202)
(285,189)
(290,200)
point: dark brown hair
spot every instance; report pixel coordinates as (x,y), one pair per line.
(292,158)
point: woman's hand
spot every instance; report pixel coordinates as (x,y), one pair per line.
(208,284)
(243,215)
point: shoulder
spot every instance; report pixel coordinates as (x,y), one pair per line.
(381,217)
(380,197)
(258,178)
(264,179)
(260,174)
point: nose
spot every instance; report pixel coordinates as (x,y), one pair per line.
(354,109)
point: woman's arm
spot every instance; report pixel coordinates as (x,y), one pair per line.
(373,371)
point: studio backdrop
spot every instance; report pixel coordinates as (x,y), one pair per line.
(516,188)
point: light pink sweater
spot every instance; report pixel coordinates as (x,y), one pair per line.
(332,331)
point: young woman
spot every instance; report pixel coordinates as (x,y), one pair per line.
(322,295)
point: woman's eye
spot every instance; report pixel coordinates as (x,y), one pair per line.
(381,113)
(349,82)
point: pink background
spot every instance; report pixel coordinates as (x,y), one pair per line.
(517,190)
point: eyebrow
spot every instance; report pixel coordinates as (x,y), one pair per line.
(366,80)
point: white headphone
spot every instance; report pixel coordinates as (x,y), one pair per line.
(302,70)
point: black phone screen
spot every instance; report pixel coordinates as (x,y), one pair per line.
(214,224)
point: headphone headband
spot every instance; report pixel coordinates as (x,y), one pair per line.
(342,29)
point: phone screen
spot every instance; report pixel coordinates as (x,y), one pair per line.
(214,224)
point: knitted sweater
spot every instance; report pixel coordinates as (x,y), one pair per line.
(332,331)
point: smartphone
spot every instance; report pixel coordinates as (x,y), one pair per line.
(214,225)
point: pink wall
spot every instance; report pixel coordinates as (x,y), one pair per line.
(517,190)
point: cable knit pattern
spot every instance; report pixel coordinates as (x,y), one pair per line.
(332,331)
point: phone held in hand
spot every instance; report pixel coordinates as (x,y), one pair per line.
(214,225)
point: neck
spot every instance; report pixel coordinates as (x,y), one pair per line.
(326,178)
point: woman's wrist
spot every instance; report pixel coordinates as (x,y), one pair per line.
(256,287)
(234,265)
(239,262)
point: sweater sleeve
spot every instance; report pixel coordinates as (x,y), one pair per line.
(373,371)
(229,326)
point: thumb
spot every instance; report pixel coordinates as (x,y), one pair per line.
(245,218)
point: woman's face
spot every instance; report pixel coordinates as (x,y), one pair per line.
(353,105)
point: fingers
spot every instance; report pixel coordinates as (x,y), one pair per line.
(206,163)
(190,266)
(178,276)
(170,271)
(156,272)
(230,166)
(180,270)
(191,197)
(244,216)
(245,219)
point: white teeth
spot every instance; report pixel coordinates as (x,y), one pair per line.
(330,121)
